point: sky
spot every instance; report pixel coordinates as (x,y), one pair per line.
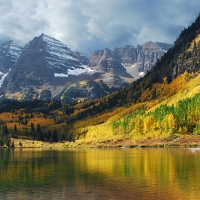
(88,25)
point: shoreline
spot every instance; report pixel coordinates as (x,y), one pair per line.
(175,140)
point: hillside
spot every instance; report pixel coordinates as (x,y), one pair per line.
(162,107)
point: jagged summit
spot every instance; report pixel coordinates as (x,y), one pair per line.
(137,61)
(165,46)
(58,57)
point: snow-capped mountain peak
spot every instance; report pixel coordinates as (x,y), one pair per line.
(60,58)
(43,61)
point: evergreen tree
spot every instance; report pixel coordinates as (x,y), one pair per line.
(32,127)
(1,137)
(41,135)
(55,136)
(38,128)
(15,128)
(6,129)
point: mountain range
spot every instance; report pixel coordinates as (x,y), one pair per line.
(45,69)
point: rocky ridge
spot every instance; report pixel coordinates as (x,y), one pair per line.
(134,61)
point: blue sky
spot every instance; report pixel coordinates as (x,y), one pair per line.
(88,25)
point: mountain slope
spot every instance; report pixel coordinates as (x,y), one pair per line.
(9,54)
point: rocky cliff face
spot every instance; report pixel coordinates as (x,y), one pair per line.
(106,61)
(135,61)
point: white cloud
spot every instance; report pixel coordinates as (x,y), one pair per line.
(86,25)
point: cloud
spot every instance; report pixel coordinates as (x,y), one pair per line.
(87,25)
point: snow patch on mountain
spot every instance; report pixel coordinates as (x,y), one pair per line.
(78,71)
(142,73)
(3,77)
(74,71)
(60,75)
(91,70)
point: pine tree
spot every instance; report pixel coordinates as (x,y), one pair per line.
(55,136)
(32,127)
(15,128)
(38,128)
(5,130)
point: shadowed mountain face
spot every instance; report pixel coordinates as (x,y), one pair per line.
(46,68)
(9,54)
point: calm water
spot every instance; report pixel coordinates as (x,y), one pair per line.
(103,174)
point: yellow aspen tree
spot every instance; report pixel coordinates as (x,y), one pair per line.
(139,126)
(164,124)
(149,123)
(171,121)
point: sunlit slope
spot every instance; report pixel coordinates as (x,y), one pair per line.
(140,121)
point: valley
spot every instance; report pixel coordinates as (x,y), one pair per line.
(160,108)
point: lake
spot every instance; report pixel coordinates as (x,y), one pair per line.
(100,174)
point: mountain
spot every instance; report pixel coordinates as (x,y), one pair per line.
(47,69)
(128,59)
(41,61)
(45,66)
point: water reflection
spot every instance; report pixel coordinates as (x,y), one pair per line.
(99,174)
